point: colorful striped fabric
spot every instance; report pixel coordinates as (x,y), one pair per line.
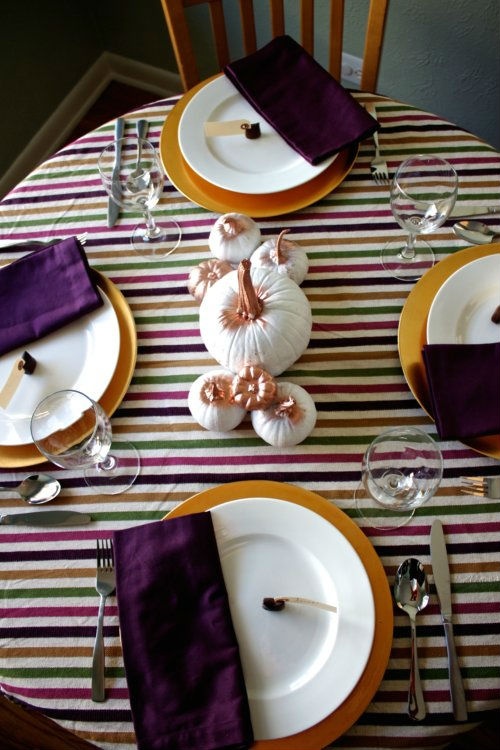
(48,605)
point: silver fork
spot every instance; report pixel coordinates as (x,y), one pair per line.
(378,165)
(481,487)
(82,238)
(105,585)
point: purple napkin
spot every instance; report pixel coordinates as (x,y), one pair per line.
(43,291)
(464,385)
(311,111)
(180,651)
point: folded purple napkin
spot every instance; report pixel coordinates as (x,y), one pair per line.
(464,385)
(180,651)
(311,111)
(44,291)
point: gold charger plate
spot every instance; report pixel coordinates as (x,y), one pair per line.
(412,333)
(213,198)
(338,722)
(28,455)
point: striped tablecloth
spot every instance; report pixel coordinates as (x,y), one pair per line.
(48,603)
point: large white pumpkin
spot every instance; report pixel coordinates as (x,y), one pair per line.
(254,316)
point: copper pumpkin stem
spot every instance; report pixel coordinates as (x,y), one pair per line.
(285,408)
(213,391)
(249,305)
(278,250)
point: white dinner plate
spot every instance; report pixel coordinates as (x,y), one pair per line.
(82,356)
(462,308)
(300,663)
(264,165)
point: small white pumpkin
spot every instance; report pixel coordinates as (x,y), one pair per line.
(210,401)
(204,275)
(233,237)
(284,256)
(253,316)
(289,420)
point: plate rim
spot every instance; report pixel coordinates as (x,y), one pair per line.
(340,720)
(211,88)
(12,457)
(212,198)
(412,333)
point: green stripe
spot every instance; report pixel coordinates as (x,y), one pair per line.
(65,672)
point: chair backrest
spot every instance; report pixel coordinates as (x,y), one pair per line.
(175,15)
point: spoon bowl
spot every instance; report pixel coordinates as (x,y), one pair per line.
(36,489)
(411,592)
(476,232)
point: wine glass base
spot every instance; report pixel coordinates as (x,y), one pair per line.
(407,269)
(121,476)
(384,519)
(165,241)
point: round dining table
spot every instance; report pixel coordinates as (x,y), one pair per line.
(362,368)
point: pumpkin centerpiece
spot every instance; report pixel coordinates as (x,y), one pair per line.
(233,237)
(204,275)
(254,316)
(284,256)
(210,401)
(289,419)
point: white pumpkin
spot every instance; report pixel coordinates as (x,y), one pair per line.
(233,237)
(284,256)
(210,401)
(289,420)
(204,275)
(253,316)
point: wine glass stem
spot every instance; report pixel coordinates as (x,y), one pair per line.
(408,252)
(108,464)
(152,230)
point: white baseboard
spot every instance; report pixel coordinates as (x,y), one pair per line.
(108,67)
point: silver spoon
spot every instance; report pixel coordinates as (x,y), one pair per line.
(141,129)
(411,592)
(36,489)
(476,232)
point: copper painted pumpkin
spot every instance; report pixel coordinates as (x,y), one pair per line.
(253,388)
(203,276)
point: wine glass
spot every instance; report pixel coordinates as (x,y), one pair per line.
(401,469)
(423,193)
(73,431)
(137,183)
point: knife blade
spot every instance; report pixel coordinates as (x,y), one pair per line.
(114,208)
(46,518)
(462,212)
(441,571)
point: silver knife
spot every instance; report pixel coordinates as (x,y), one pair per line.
(114,208)
(462,212)
(46,518)
(441,571)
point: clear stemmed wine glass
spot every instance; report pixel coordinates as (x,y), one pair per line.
(137,183)
(401,469)
(423,193)
(73,431)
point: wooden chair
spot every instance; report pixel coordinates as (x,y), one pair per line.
(175,15)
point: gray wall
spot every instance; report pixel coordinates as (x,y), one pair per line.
(440,55)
